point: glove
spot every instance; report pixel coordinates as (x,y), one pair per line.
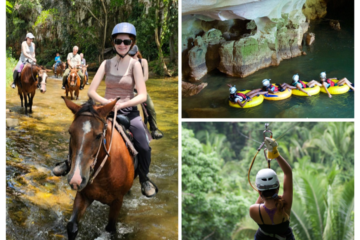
(271,146)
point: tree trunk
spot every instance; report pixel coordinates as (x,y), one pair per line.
(105,28)
(157,37)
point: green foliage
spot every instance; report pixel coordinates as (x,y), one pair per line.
(10,64)
(206,211)
(322,159)
(9,7)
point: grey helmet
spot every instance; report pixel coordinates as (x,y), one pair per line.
(323,75)
(266,179)
(296,77)
(232,89)
(266,82)
(133,50)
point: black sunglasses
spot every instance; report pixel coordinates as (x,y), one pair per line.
(126,42)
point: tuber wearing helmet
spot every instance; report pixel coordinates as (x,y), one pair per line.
(323,75)
(266,82)
(296,77)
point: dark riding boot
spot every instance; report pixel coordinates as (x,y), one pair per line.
(61,168)
(15,76)
(155,132)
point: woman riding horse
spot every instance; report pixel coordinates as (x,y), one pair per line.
(122,74)
(155,132)
(27,55)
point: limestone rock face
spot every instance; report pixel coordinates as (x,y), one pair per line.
(239,37)
(204,56)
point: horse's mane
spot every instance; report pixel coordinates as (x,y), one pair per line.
(88,106)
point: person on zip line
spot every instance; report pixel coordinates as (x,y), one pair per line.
(272,211)
(149,105)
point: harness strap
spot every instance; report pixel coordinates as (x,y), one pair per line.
(272,235)
(127,140)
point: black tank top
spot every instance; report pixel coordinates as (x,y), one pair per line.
(281,228)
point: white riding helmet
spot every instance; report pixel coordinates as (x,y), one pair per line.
(296,77)
(266,82)
(232,89)
(323,75)
(266,179)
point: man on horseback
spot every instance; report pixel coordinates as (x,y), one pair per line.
(57,61)
(73,60)
(27,55)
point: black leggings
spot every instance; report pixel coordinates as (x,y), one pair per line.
(141,144)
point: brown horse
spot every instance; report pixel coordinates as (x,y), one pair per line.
(60,69)
(32,77)
(73,83)
(90,137)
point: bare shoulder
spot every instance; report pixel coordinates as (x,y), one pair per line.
(144,61)
(253,209)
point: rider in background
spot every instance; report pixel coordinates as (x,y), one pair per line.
(82,64)
(155,132)
(57,61)
(272,211)
(73,60)
(27,55)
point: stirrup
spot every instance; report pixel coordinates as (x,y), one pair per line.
(143,190)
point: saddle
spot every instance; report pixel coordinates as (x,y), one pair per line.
(122,125)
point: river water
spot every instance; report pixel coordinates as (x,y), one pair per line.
(332,52)
(38,204)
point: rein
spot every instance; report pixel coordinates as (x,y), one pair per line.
(102,143)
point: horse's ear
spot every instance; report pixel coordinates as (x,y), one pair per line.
(72,106)
(106,109)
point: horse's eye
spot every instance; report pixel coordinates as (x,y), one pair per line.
(98,136)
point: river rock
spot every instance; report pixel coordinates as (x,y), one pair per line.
(335,24)
(12,122)
(310,38)
(189,89)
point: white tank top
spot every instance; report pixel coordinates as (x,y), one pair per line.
(29,51)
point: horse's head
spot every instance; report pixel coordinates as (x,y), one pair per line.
(73,77)
(86,136)
(42,77)
(63,65)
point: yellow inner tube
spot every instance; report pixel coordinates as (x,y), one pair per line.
(312,91)
(278,95)
(255,101)
(336,89)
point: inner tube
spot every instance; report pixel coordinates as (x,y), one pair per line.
(336,89)
(278,95)
(255,101)
(312,91)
